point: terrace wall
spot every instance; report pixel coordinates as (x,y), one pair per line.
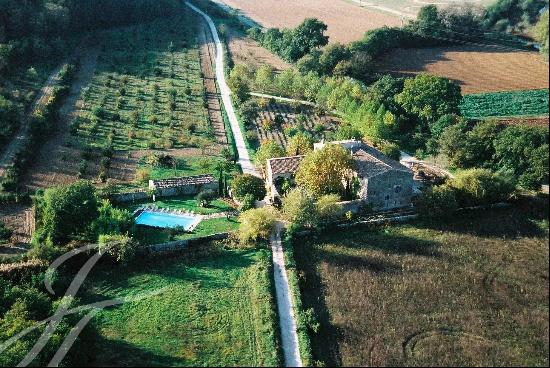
(181,244)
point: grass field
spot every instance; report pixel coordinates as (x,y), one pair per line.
(215,309)
(469,293)
(502,104)
(147,91)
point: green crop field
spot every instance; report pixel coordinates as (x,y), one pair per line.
(215,308)
(503,104)
(147,91)
(472,292)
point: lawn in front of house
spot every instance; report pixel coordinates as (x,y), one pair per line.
(215,307)
(149,236)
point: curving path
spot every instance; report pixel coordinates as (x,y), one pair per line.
(225,92)
(287,319)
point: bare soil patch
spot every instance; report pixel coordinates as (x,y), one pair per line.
(477,69)
(18,218)
(245,50)
(56,162)
(536,121)
(346,21)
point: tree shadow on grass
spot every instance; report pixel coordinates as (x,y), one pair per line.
(118,353)
(186,266)
(511,223)
(375,237)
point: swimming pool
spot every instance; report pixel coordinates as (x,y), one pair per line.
(167,220)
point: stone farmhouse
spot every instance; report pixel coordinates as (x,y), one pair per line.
(384,183)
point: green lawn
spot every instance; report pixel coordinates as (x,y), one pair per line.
(148,235)
(471,292)
(186,167)
(147,91)
(215,309)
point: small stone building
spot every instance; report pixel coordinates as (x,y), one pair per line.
(185,185)
(280,168)
(384,183)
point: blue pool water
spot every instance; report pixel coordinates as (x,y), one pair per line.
(165,220)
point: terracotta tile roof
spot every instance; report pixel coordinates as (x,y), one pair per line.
(284,165)
(183,181)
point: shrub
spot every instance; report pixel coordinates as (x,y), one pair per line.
(112,221)
(256,224)
(5,233)
(143,175)
(247,203)
(120,248)
(437,202)
(205,197)
(66,211)
(268,150)
(391,150)
(161,160)
(477,187)
(248,184)
(329,209)
(299,144)
(300,209)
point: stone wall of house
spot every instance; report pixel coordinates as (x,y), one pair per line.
(393,189)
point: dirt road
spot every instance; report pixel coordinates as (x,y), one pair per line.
(56,162)
(20,138)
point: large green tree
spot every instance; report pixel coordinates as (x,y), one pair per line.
(430,97)
(326,171)
(268,150)
(66,211)
(540,32)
